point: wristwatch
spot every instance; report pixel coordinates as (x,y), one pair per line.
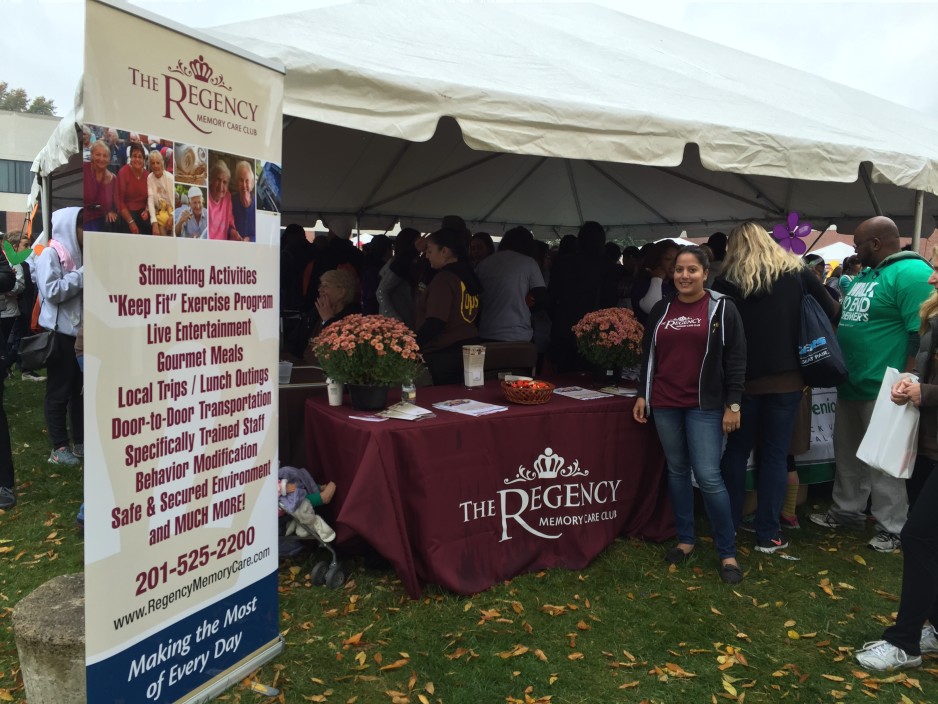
(734,407)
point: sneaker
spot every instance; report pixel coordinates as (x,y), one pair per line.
(789,521)
(32,376)
(884,541)
(929,641)
(882,655)
(825,519)
(748,523)
(63,456)
(7,497)
(769,546)
(79,450)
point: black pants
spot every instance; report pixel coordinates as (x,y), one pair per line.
(6,451)
(919,600)
(63,394)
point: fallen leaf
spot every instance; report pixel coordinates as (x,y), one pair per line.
(629,685)
(859,560)
(396,665)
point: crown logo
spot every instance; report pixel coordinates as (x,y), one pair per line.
(548,465)
(200,70)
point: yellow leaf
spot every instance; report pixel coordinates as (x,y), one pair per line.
(396,665)
(3,550)
(517,607)
(629,685)
(467,606)
(354,640)
(729,688)
(583,626)
(906,700)
(793,635)
(575,656)
(860,675)
(539,654)
(789,623)
(360,657)
(412,681)
(552,679)
(430,688)
(423,699)
(859,560)
(715,611)
(833,678)
(5,695)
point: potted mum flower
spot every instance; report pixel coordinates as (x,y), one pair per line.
(368,353)
(611,340)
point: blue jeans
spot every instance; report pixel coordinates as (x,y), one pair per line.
(766,423)
(692,440)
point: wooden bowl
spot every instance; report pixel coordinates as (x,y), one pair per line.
(525,394)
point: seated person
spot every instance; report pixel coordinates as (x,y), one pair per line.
(448,307)
(337,289)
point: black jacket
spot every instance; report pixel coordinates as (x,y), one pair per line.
(7,276)
(723,372)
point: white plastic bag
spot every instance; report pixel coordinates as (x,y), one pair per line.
(891,440)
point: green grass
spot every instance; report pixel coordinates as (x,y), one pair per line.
(556,636)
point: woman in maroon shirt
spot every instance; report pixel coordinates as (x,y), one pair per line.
(693,372)
(132,193)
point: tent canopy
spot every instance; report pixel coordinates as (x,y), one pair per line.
(551,114)
(548,115)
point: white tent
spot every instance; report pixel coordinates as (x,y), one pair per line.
(551,114)
(836,252)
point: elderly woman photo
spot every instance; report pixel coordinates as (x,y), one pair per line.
(132,193)
(160,197)
(99,185)
(221,224)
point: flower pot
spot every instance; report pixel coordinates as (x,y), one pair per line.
(366,397)
(606,375)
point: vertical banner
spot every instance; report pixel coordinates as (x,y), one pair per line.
(182,143)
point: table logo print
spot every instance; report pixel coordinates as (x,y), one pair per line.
(548,465)
(551,498)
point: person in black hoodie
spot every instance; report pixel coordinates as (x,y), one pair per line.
(7,496)
(448,309)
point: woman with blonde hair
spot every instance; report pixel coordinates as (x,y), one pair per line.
(160,197)
(767,283)
(905,642)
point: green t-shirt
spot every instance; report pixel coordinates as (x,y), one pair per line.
(879,312)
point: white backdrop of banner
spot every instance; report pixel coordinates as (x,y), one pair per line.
(181,343)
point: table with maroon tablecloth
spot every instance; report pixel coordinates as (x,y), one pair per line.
(465,502)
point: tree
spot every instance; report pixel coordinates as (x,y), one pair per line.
(17,100)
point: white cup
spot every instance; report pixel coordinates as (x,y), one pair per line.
(286,371)
(473,365)
(335,389)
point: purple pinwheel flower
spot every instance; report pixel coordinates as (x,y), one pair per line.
(791,235)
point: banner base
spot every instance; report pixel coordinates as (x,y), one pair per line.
(213,688)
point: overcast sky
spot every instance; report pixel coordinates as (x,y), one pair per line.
(884,48)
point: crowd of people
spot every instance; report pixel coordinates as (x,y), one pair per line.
(720,374)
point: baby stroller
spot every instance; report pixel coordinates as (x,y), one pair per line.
(298,494)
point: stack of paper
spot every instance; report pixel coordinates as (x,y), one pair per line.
(468,407)
(619,391)
(406,411)
(580,394)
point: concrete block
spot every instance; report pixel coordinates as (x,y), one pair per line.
(49,627)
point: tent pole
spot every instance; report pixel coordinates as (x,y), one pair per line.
(868,182)
(917,226)
(576,195)
(514,188)
(45,197)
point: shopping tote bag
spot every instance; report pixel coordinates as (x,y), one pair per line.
(892,437)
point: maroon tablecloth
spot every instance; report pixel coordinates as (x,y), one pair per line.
(466,502)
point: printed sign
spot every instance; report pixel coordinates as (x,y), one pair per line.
(182,150)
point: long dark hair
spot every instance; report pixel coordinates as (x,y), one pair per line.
(405,253)
(453,239)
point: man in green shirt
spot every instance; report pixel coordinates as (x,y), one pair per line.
(879,325)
